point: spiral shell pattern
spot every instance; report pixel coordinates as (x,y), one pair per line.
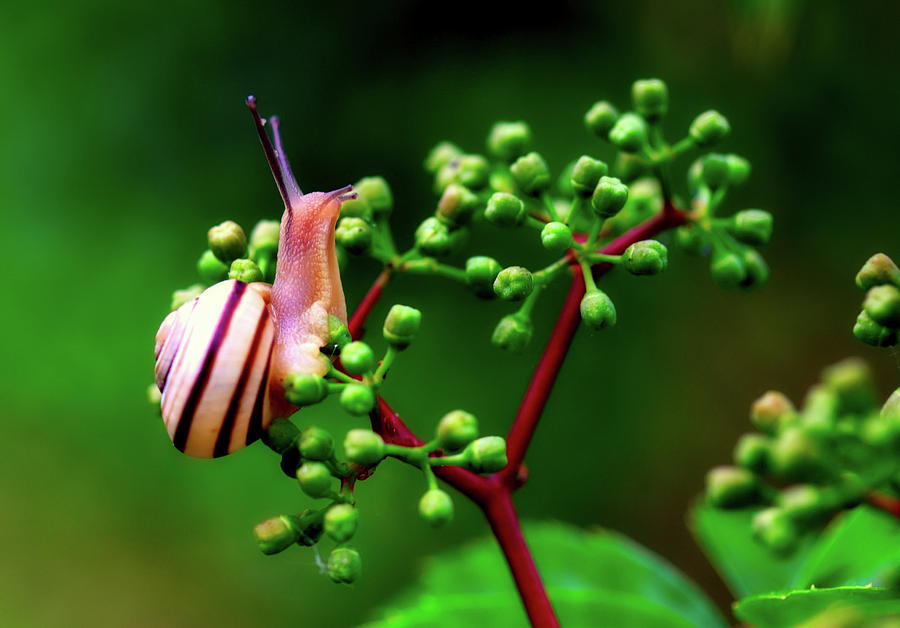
(212,364)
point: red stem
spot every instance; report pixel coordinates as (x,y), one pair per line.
(358,320)
(493,494)
(501,515)
(885,502)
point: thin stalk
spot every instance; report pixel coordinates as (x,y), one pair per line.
(493,494)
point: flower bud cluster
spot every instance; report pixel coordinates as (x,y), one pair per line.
(805,464)
(878,323)
(308,454)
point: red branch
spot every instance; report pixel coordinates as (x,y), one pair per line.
(885,502)
(493,494)
(358,320)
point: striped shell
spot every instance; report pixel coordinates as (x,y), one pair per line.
(212,363)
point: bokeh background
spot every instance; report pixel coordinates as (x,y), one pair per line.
(124,137)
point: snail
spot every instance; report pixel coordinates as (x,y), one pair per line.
(222,358)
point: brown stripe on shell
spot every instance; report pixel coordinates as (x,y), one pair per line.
(223,440)
(174,334)
(186,417)
(261,417)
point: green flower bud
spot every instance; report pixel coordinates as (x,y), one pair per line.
(505,210)
(267,266)
(480,275)
(885,427)
(486,454)
(752,226)
(436,508)
(305,389)
(354,234)
(772,411)
(851,381)
(692,240)
(509,140)
(609,197)
(629,133)
(315,479)
(775,529)
(878,270)
(796,455)
(433,237)
(441,155)
(880,433)
(882,304)
(358,358)
(401,325)
(738,169)
(512,333)
(629,167)
(514,283)
(820,408)
(211,268)
(756,268)
(264,238)
(309,528)
(154,396)
(338,334)
(341,521)
(556,237)
(502,181)
(344,565)
(456,205)
(531,173)
(457,429)
(601,118)
(803,503)
(473,171)
(356,208)
(731,487)
(714,172)
(245,270)
(180,297)
(752,452)
(650,98)
(586,174)
(708,128)
(281,435)
(647,257)
(227,241)
(357,399)
(597,310)
(377,193)
(363,447)
(891,407)
(871,333)
(276,534)
(727,269)
(315,443)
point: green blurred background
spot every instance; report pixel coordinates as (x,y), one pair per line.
(125,137)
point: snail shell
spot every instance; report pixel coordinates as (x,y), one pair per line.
(221,358)
(212,365)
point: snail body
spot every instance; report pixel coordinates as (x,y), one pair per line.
(221,358)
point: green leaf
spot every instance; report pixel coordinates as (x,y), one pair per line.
(861,547)
(597,578)
(789,608)
(747,566)
(575,608)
